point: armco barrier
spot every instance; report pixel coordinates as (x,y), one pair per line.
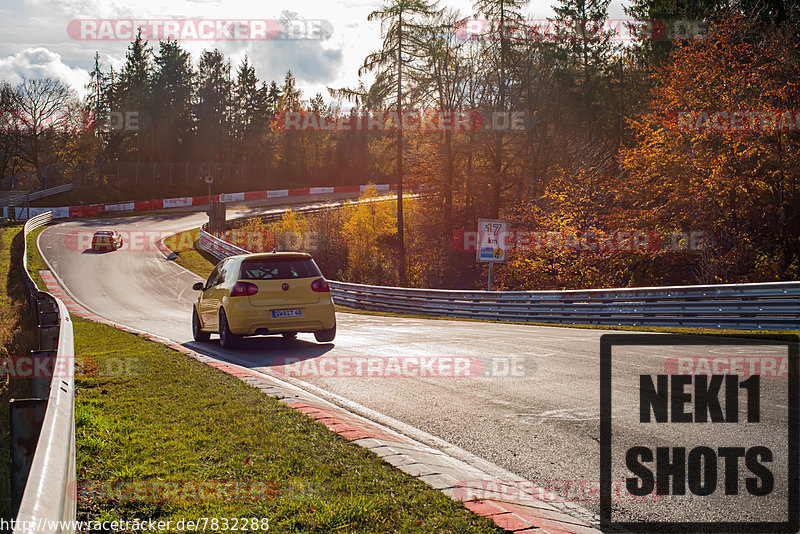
(47,499)
(759,306)
(217,247)
(762,306)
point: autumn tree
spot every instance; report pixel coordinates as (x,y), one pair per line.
(367,230)
(9,153)
(45,111)
(739,182)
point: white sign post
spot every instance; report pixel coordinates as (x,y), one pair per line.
(492,243)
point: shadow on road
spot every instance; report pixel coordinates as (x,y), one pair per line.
(263,351)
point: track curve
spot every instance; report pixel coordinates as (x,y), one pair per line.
(543,425)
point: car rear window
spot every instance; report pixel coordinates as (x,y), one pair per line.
(278,269)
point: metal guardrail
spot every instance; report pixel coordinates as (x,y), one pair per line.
(222,249)
(758,306)
(32,224)
(305,210)
(47,501)
(16,201)
(761,306)
(217,247)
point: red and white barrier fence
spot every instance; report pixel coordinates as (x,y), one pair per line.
(181,202)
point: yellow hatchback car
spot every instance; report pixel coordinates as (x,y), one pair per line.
(261,294)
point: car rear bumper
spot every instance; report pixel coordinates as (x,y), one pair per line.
(247,320)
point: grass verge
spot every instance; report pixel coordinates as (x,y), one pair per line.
(193,259)
(17,337)
(164,417)
(203,263)
(35,261)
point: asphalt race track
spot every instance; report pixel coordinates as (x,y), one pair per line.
(530,404)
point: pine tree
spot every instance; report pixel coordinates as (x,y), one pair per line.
(173,86)
(97,104)
(214,106)
(402,26)
(250,111)
(498,55)
(586,50)
(134,93)
(290,97)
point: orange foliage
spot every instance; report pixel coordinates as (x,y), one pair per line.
(741,185)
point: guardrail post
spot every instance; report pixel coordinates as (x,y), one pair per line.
(40,386)
(26,417)
(48,337)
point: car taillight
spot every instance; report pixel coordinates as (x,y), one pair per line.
(243,289)
(320,285)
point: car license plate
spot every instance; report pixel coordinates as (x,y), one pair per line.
(287,313)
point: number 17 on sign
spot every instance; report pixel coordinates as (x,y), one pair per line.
(492,243)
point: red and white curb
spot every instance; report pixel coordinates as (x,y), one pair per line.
(511,508)
(133,206)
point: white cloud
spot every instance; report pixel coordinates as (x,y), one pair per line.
(40,63)
(38,27)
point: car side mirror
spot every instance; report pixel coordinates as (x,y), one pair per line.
(198,286)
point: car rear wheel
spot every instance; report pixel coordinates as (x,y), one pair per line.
(289,335)
(324,336)
(227,339)
(197,332)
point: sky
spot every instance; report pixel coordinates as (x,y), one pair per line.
(37,40)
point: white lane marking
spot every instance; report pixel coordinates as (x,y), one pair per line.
(568,414)
(563,414)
